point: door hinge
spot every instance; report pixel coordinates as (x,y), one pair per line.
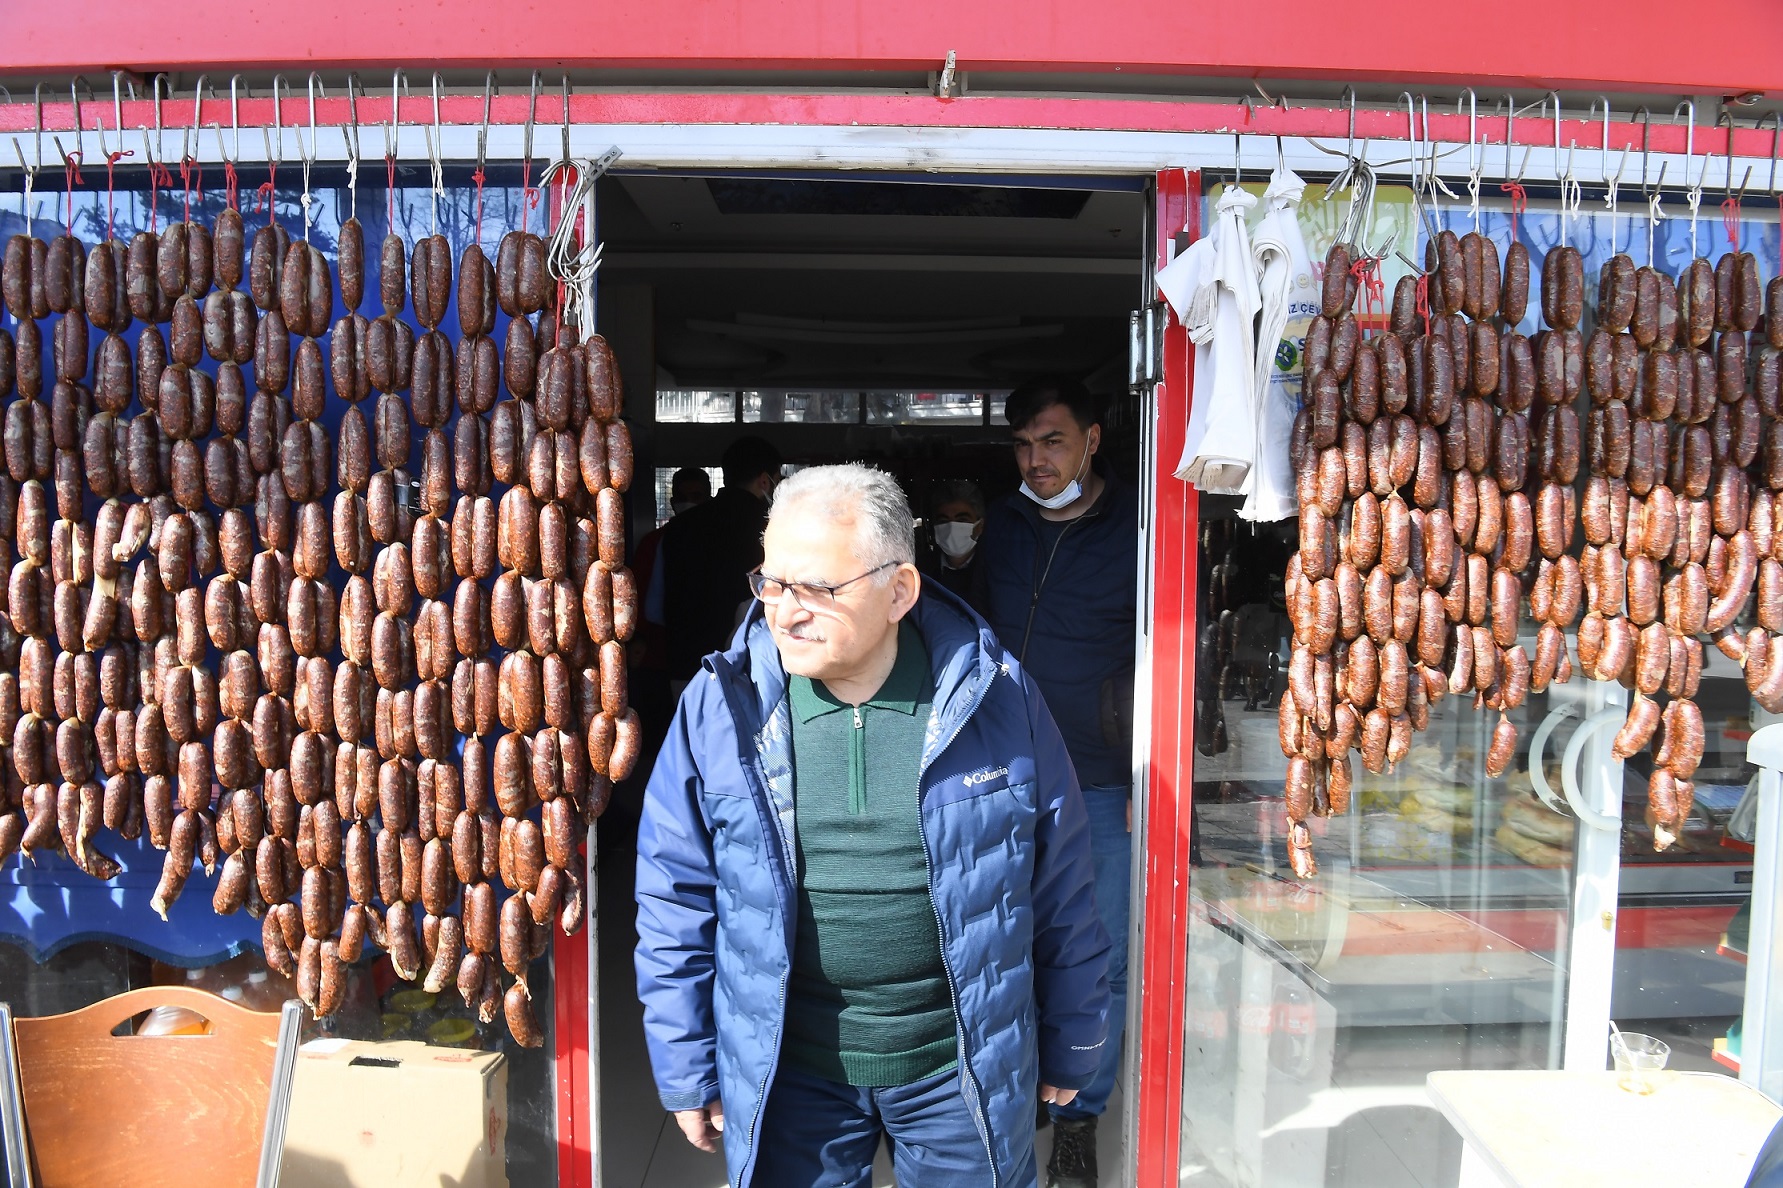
(1145,345)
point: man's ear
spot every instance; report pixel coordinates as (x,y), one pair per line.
(1095,437)
(906,586)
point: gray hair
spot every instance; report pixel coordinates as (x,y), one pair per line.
(885,529)
(959,491)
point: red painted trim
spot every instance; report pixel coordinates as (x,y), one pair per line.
(569,1004)
(1162,965)
(1574,44)
(570,988)
(678,108)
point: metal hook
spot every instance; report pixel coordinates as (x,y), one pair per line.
(1475,151)
(117,109)
(1238,143)
(198,108)
(532,111)
(1727,184)
(74,87)
(399,85)
(37,98)
(155,97)
(483,132)
(1689,106)
(1281,156)
(350,134)
(278,117)
(566,118)
(235,115)
(1510,124)
(315,84)
(1646,118)
(1555,96)
(1603,162)
(1776,118)
(1349,147)
(1411,140)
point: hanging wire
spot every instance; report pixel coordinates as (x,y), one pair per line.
(350,134)
(1694,194)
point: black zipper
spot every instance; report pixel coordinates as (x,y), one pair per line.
(1040,582)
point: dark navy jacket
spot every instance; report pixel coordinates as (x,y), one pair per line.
(1010,875)
(1064,604)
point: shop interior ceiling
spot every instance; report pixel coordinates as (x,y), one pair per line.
(783,281)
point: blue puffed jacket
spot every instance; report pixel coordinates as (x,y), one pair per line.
(1009,874)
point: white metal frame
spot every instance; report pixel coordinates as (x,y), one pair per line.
(1761,1031)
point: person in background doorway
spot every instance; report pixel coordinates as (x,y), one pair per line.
(688,488)
(707,552)
(864,875)
(955,522)
(647,655)
(1057,578)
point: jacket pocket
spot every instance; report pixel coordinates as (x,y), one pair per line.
(1116,711)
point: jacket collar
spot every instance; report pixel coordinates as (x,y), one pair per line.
(963,655)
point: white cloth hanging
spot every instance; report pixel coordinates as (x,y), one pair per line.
(1288,297)
(1214,294)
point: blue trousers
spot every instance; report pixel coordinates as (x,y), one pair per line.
(817,1133)
(1111,846)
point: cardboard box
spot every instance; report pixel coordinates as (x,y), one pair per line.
(378,1114)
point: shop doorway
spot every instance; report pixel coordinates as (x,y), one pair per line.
(880,318)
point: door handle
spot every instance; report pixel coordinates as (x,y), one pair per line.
(1569,771)
(1538,768)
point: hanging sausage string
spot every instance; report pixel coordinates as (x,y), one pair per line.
(1438,463)
(386,704)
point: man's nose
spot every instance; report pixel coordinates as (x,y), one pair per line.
(787,611)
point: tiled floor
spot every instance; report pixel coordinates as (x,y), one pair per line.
(642,1147)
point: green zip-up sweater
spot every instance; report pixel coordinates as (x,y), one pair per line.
(867,1001)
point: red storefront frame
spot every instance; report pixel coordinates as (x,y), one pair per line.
(1171,599)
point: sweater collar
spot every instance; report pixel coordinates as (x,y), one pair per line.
(906,686)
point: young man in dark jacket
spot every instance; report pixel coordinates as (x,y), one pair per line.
(1058,582)
(864,902)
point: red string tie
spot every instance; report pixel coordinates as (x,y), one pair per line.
(192,177)
(1424,300)
(1519,203)
(1730,219)
(71,171)
(231,185)
(479,179)
(111,193)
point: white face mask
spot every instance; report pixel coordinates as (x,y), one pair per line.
(677,506)
(955,540)
(1072,491)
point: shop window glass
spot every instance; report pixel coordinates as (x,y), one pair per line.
(1436,934)
(925,408)
(695,406)
(778,407)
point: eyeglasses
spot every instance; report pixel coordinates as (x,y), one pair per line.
(810,595)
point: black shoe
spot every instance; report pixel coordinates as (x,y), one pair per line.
(1073,1162)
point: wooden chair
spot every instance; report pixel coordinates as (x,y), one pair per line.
(149,1110)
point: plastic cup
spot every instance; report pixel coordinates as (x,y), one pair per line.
(1639,1060)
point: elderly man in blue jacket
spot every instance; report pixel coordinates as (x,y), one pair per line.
(864,887)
